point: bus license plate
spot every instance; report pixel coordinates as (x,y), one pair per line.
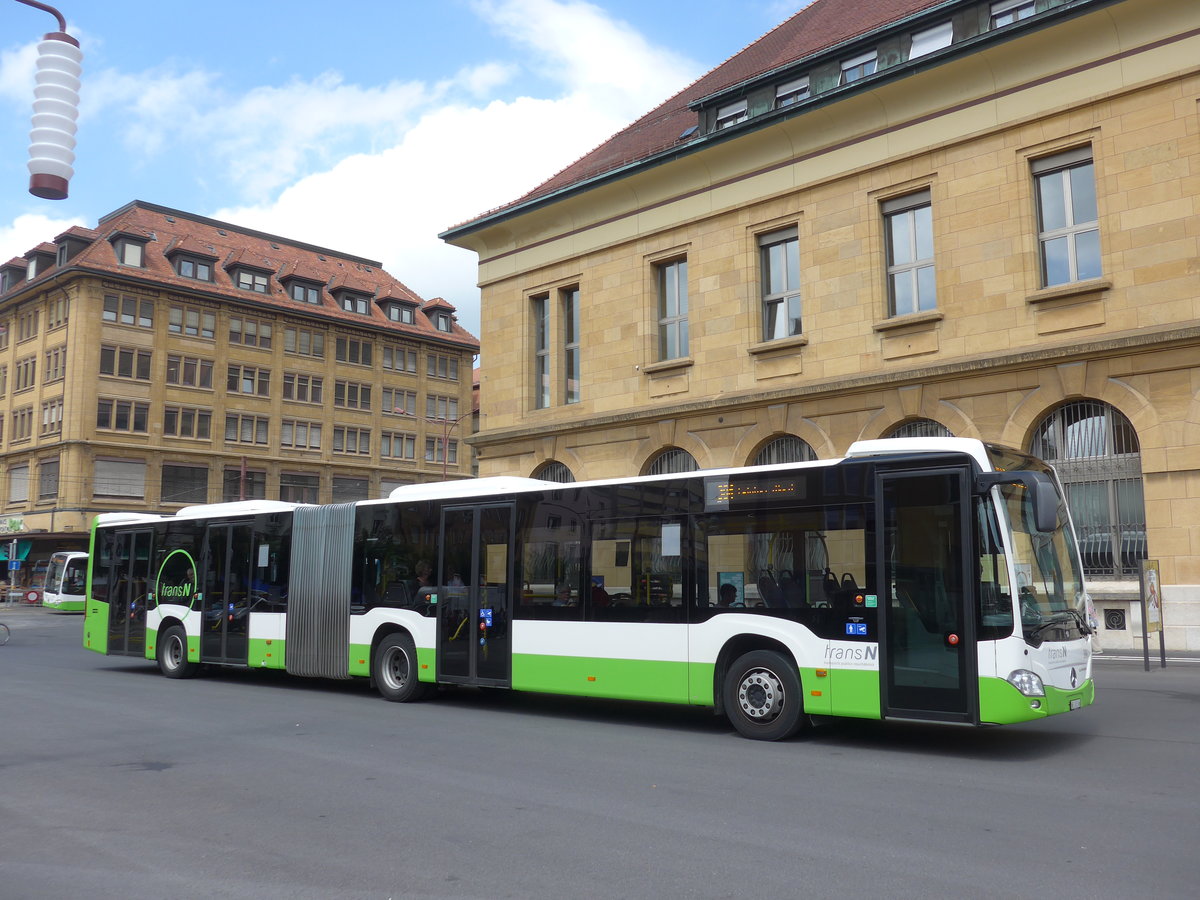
(1075,704)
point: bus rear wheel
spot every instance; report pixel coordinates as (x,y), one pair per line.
(762,696)
(394,668)
(172,654)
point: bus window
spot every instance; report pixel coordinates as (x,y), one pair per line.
(551,547)
(638,564)
(994,616)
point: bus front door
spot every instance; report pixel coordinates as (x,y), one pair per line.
(129,578)
(927,651)
(475,590)
(226,605)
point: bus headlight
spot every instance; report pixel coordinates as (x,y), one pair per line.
(1028,683)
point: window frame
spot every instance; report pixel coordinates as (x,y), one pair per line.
(1060,166)
(671,287)
(789,298)
(909,208)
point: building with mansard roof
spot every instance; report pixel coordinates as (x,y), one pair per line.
(967,217)
(163,359)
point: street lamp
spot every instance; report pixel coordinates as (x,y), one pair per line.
(55,109)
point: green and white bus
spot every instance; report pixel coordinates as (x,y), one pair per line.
(66,577)
(919,579)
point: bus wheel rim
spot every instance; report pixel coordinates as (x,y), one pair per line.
(760,695)
(395,668)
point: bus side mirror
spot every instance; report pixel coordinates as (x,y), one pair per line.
(1045,505)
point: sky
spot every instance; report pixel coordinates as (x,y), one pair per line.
(363,127)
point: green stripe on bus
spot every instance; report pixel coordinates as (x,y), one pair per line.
(618,679)
(1002,704)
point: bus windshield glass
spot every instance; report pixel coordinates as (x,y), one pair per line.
(1049,577)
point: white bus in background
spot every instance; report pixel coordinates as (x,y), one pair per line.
(66,581)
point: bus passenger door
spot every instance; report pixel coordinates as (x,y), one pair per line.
(474,595)
(129,578)
(928,656)
(226,604)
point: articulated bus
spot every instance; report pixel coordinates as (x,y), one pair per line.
(66,578)
(917,579)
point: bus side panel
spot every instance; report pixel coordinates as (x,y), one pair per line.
(95,626)
(855,693)
(267,647)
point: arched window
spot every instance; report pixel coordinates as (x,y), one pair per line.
(672,461)
(786,449)
(919,428)
(1096,453)
(554,471)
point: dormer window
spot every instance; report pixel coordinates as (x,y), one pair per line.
(251,280)
(1006,12)
(403,313)
(10,277)
(354,303)
(193,267)
(931,39)
(732,114)
(130,251)
(38,263)
(443,322)
(305,292)
(859,67)
(791,92)
(69,249)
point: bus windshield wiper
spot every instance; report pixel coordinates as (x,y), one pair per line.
(1059,618)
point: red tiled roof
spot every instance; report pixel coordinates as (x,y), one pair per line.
(171,230)
(820,26)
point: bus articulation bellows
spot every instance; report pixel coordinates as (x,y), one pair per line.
(922,579)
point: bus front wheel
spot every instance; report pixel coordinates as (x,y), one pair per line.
(762,696)
(394,668)
(172,654)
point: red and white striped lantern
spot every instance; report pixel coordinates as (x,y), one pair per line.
(55,109)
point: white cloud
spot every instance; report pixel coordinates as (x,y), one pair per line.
(28,230)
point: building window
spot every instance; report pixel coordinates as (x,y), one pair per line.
(303,292)
(250,280)
(672,461)
(239,484)
(302,388)
(786,449)
(189,371)
(554,471)
(672,310)
(303,342)
(295,488)
(791,92)
(732,114)
(52,417)
(400,359)
(3,380)
(193,267)
(245,429)
(908,223)
(397,445)
(352,440)
(249,380)
(354,303)
(27,324)
(1068,224)
(442,366)
(125,362)
(187,422)
(124,479)
(443,322)
(4,332)
(858,67)
(22,424)
(779,255)
(128,311)
(349,350)
(57,312)
(437,407)
(931,39)
(18,484)
(184,484)
(351,395)
(130,252)
(570,318)
(249,332)
(399,402)
(25,372)
(920,428)
(437,450)
(297,435)
(56,365)
(122,415)
(348,490)
(47,479)
(1096,453)
(1006,12)
(192,322)
(402,313)
(541,350)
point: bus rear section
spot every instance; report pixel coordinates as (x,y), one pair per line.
(65,586)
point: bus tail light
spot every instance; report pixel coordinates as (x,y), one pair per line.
(1028,683)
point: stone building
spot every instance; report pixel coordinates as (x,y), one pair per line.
(916,217)
(163,359)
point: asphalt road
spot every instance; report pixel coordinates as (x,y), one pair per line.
(118,783)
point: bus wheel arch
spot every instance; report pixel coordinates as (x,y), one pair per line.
(394,667)
(171,651)
(757,686)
